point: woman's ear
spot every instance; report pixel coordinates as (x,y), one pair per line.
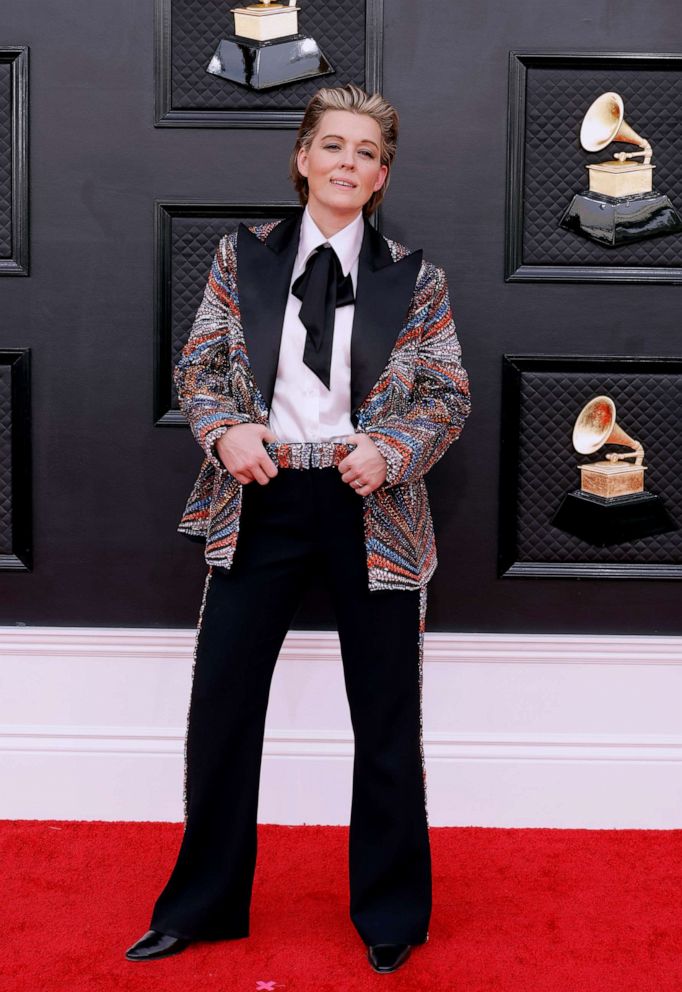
(302,162)
(381,178)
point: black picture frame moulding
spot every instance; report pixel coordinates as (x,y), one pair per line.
(19,557)
(16,262)
(516,269)
(512,563)
(166,115)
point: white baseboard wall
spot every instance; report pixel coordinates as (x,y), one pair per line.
(519,730)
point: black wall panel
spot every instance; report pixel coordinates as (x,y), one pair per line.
(5,159)
(108,485)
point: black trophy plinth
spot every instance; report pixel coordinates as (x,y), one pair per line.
(603,522)
(620,220)
(263,64)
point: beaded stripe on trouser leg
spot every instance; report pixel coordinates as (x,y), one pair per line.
(194,665)
(422,629)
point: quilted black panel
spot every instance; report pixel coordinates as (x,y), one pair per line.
(5,460)
(648,408)
(338,28)
(556,101)
(5,160)
(193,244)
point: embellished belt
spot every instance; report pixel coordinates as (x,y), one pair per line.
(308,454)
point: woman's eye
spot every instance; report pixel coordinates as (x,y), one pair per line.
(332,146)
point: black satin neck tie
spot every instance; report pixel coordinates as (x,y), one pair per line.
(321,287)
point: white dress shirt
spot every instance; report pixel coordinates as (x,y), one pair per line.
(303,409)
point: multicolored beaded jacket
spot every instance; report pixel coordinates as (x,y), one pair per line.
(409,391)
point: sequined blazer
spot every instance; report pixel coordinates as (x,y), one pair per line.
(409,391)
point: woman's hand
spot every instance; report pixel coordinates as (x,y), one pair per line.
(241,451)
(364,469)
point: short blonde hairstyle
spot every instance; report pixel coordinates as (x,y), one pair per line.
(349,97)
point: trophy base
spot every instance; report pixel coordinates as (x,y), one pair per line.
(611,479)
(620,178)
(260,65)
(620,220)
(603,522)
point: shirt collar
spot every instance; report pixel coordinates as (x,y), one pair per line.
(346,242)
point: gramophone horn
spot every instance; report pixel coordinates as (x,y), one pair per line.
(596,425)
(604,123)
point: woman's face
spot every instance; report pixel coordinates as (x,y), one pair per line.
(343,165)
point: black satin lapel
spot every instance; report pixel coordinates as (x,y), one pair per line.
(384,293)
(263,276)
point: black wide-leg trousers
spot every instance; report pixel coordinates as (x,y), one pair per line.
(301,527)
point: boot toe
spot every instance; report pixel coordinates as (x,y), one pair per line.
(388,957)
(156,945)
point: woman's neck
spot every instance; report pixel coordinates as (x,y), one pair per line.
(330,222)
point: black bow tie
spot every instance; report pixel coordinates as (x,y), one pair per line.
(322,287)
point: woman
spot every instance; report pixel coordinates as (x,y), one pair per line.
(322,379)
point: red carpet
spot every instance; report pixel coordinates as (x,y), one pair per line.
(522,910)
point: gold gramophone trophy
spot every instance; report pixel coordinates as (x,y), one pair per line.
(611,506)
(267,49)
(621,205)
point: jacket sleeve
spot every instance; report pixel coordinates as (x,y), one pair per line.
(200,375)
(413,442)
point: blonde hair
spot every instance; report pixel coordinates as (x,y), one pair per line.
(349,97)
